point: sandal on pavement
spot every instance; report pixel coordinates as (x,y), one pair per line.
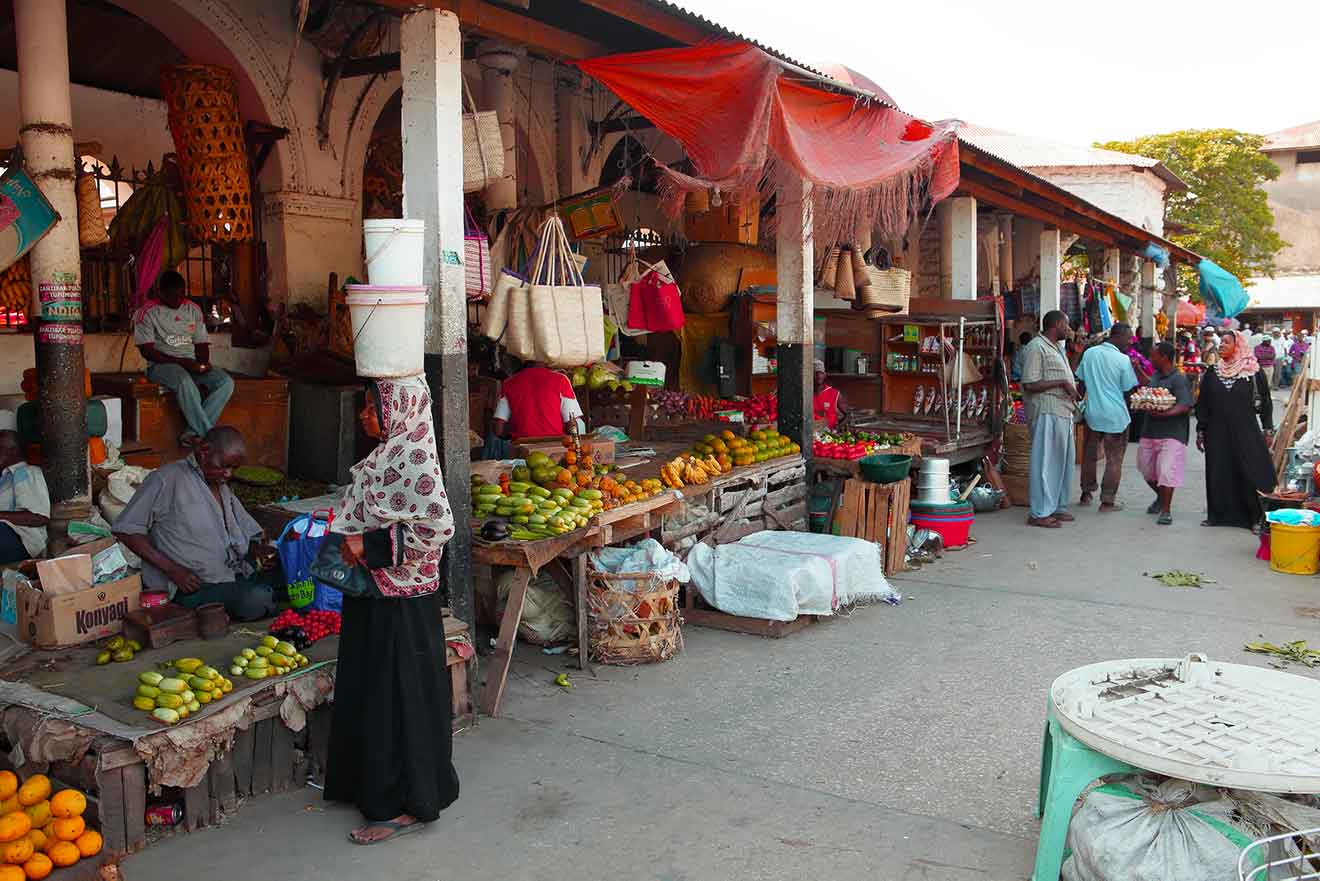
(1043,522)
(1110,507)
(1085,499)
(396,830)
(1154,507)
(1165,519)
(1063,517)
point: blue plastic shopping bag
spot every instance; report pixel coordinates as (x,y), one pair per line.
(297,547)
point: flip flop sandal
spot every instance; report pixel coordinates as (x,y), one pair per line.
(1164,520)
(396,830)
(1154,507)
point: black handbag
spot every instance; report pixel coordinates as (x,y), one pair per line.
(353,580)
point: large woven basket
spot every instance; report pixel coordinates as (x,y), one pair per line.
(888,289)
(633,617)
(208,138)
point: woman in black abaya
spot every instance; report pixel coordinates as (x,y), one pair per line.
(1237,457)
(390,735)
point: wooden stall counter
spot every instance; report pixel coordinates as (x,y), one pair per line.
(259,408)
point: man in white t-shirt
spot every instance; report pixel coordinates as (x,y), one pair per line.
(172,338)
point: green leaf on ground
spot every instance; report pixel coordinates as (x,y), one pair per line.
(1180,578)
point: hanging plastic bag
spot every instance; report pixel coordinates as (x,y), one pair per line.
(297,547)
(655,304)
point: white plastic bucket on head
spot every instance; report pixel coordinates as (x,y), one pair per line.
(388,329)
(394,251)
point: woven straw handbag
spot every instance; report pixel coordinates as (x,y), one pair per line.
(483,148)
(568,315)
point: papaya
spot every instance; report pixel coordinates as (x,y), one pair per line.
(18,851)
(8,785)
(65,804)
(188,665)
(69,828)
(63,853)
(36,868)
(145,704)
(164,714)
(38,813)
(170,701)
(36,788)
(14,826)
(89,843)
(11,873)
(172,686)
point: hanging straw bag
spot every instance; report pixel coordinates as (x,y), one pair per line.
(568,316)
(483,147)
(91,223)
(476,258)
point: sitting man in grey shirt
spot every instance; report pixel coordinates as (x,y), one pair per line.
(196,540)
(172,338)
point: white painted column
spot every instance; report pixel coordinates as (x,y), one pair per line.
(1147,298)
(1051,275)
(1005,221)
(795,291)
(498,61)
(46,133)
(1113,266)
(963,247)
(431,50)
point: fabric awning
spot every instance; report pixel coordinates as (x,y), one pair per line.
(744,120)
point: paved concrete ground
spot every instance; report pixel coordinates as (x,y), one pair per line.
(896,743)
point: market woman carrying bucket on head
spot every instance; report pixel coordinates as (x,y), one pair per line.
(390,741)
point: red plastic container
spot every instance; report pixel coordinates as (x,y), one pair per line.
(954,528)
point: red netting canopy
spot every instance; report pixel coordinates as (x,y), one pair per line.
(744,119)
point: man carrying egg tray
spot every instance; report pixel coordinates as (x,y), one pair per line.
(1163,448)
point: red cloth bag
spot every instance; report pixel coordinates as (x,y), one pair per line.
(654,304)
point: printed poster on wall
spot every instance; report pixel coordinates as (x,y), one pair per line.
(25,215)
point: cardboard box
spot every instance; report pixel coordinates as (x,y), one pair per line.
(601,450)
(54,621)
(50,622)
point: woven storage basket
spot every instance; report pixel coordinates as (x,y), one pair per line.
(627,626)
(829,270)
(483,146)
(208,138)
(91,223)
(888,289)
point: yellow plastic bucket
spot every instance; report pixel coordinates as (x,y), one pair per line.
(1294,550)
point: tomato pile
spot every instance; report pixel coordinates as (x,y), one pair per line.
(839,450)
(851,444)
(304,629)
(756,410)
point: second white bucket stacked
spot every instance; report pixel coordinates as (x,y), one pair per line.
(933,482)
(388,314)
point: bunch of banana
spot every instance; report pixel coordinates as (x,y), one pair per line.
(16,286)
(711,465)
(694,473)
(137,217)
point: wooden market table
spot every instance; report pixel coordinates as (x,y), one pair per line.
(564,558)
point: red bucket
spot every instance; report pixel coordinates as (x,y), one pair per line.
(954,527)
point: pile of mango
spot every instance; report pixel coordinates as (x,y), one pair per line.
(41,830)
(738,452)
(272,657)
(184,688)
(119,650)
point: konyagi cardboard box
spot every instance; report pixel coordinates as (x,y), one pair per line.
(75,614)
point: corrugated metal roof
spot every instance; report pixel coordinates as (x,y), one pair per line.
(1298,137)
(1285,292)
(1031,152)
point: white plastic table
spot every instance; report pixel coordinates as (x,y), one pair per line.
(1225,725)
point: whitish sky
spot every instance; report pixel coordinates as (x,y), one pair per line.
(1069,71)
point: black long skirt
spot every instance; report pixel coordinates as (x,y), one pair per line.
(391,735)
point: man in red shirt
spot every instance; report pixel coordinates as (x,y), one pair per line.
(537,402)
(827,402)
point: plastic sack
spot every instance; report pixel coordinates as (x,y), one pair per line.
(297,547)
(647,555)
(777,576)
(1294,517)
(547,615)
(1139,828)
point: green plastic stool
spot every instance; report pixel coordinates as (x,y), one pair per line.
(1067,767)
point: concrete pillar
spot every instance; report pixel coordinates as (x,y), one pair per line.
(431,63)
(794,260)
(962,261)
(1147,298)
(46,135)
(571,136)
(1051,276)
(1113,268)
(1005,222)
(498,61)
(944,216)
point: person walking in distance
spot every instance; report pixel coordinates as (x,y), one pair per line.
(1051,401)
(1107,377)
(1163,448)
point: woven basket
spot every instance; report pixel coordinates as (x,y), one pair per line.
(829,270)
(888,289)
(91,223)
(483,147)
(627,626)
(208,138)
